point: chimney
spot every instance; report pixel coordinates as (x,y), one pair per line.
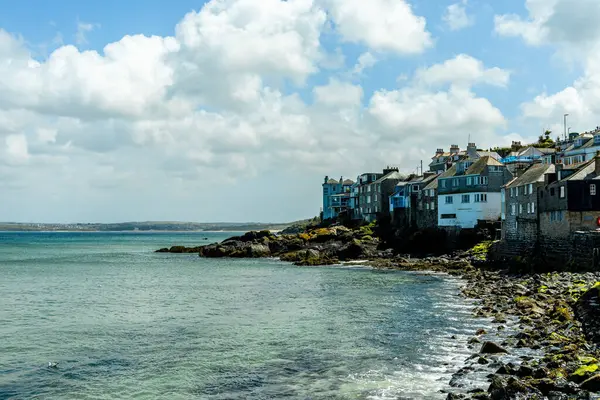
(428,174)
(471,150)
(389,169)
(326,179)
(341,180)
(439,152)
(454,149)
(597,165)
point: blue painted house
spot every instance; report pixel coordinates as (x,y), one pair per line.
(336,196)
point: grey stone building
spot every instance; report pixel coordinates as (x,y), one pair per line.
(427,216)
(521,207)
(378,194)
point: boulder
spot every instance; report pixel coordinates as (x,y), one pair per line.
(587,310)
(491,348)
(258,251)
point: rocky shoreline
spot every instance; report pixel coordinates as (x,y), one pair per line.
(546,340)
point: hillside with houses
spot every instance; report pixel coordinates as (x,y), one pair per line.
(539,201)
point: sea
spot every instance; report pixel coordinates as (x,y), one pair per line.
(124,322)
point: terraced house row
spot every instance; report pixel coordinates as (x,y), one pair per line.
(539,195)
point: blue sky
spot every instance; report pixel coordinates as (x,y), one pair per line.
(239,113)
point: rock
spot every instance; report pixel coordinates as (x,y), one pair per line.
(482,361)
(592,384)
(492,348)
(179,250)
(474,340)
(480,332)
(258,251)
(587,310)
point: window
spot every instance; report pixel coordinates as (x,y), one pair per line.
(513,209)
(369,188)
(528,208)
(443,183)
(427,206)
(469,181)
(592,189)
(520,209)
(484,180)
(368,199)
(532,207)
(530,186)
(466,198)
(512,192)
(454,182)
(326,191)
(449,200)
(447,216)
(433,205)
(484,197)
(562,192)
(476,198)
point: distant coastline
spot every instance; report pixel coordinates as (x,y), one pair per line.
(149,227)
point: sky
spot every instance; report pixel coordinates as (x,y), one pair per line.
(235,110)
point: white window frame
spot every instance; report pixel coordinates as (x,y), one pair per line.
(528,208)
(513,209)
(533,207)
(593,189)
(512,192)
(449,200)
(469,181)
(520,209)
(466,197)
(484,180)
(443,181)
(484,197)
(561,192)
(433,205)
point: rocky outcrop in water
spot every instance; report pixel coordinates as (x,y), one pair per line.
(321,246)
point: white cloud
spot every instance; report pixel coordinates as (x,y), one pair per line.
(462,70)
(83,28)
(16,149)
(338,93)
(456,16)
(572,28)
(222,105)
(365,61)
(382,25)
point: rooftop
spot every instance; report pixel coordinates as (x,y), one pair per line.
(533,174)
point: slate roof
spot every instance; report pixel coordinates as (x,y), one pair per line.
(449,172)
(532,175)
(479,166)
(587,171)
(391,175)
(348,182)
(433,184)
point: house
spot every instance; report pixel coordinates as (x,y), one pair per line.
(521,206)
(336,197)
(442,160)
(520,160)
(580,149)
(377,194)
(570,203)
(427,216)
(363,195)
(470,191)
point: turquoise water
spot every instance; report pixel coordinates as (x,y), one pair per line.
(124,322)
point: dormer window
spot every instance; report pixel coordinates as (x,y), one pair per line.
(597,139)
(578,142)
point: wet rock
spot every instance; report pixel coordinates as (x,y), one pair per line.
(492,348)
(592,384)
(483,361)
(587,310)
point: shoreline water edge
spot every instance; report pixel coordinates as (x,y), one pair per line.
(545,343)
